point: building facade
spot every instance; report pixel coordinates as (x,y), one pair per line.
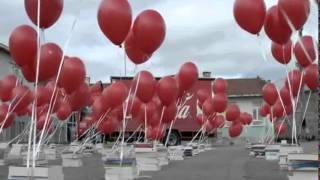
(247,94)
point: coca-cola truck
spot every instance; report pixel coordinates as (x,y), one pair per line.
(185,127)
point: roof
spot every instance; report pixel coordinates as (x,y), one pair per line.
(4,48)
(245,87)
(157,78)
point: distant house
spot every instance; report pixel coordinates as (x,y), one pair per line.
(247,94)
(6,64)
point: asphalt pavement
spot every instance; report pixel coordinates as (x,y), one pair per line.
(222,163)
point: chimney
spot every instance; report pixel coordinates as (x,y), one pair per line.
(206,74)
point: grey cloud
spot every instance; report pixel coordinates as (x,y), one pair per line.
(219,46)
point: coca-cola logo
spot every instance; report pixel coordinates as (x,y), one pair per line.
(184,108)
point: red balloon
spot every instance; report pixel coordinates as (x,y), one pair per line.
(64,111)
(96,88)
(115,94)
(235,130)
(200,119)
(24,112)
(28,73)
(154,120)
(23,45)
(135,54)
(311,76)
(83,92)
(295,11)
(108,126)
(50,58)
(219,121)
(146,85)
(42,110)
(148,110)
(208,106)
(220,102)
(264,110)
(50,11)
(42,95)
(155,133)
(275,30)
(305,51)
(282,53)
(115,18)
(157,102)
(277,110)
(72,74)
(232,112)
(159,132)
(134,105)
(270,94)
(220,86)
(98,108)
(245,118)
(89,120)
(50,87)
(294,84)
(288,110)
(281,129)
(118,113)
(5,118)
(21,98)
(149,31)
(6,86)
(209,127)
(187,76)
(285,95)
(169,113)
(202,95)
(167,90)
(211,119)
(41,122)
(243,10)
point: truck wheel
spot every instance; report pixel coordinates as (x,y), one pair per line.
(174,139)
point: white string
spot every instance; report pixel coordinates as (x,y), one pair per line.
(65,48)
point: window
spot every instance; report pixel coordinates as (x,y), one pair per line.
(256,114)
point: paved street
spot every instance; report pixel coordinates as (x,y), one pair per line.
(222,163)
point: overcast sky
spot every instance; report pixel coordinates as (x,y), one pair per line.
(202,31)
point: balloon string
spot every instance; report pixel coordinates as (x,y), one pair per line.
(179,105)
(305,111)
(124,124)
(295,110)
(34,118)
(195,136)
(124,61)
(9,108)
(10,111)
(65,48)
(145,124)
(261,47)
(20,134)
(135,131)
(58,126)
(267,134)
(294,30)
(50,110)
(160,124)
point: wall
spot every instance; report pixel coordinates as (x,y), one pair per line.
(260,128)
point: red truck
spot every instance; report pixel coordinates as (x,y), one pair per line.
(185,127)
